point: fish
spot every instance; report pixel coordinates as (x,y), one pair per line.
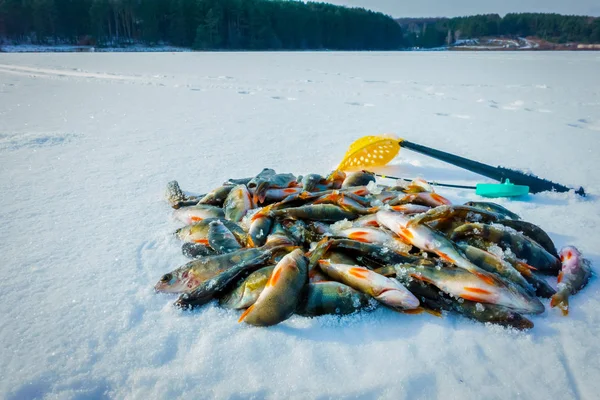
(198,232)
(426,239)
(324,298)
(459,214)
(432,298)
(376,236)
(317,212)
(279,299)
(197,213)
(418,185)
(359,178)
(385,290)
(218,285)
(492,263)
(237,203)
(271,195)
(541,287)
(335,179)
(369,220)
(575,273)
(372,253)
(188,276)
(533,232)
(260,228)
(217,196)
(410,209)
(221,239)
(522,246)
(177,198)
(461,283)
(310,182)
(247,290)
(346,202)
(422,198)
(268,179)
(493,207)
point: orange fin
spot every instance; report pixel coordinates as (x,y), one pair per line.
(560,301)
(274,277)
(473,297)
(440,199)
(527,266)
(245,313)
(445,257)
(360,236)
(358,272)
(486,278)
(422,278)
(194,218)
(201,241)
(560,277)
(477,290)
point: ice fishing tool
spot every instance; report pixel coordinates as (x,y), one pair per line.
(377,151)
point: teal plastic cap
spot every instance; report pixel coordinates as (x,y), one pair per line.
(505,189)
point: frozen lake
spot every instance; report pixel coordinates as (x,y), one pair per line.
(89,141)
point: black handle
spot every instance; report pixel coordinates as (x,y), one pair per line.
(500,174)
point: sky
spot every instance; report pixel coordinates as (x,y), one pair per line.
(445,8)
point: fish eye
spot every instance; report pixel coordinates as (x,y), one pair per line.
(167,277)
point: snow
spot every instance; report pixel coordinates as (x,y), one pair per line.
(88,142)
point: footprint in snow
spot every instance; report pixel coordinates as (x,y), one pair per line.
(459,116)
(358,104)
(283,98)
(35,140)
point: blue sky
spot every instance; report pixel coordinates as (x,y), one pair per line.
(445,8)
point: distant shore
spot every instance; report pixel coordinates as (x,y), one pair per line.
(481,44)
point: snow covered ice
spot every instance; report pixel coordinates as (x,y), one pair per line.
(88,143)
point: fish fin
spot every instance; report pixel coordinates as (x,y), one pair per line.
(422,278)
(473,297)
(406,234)
(560,277)
(245,313)
(561,300)
(440,199)
(445,257)
(250,242)
(476,290)
(360,273)
(489,279)
(274,277)
(201,241)
(194,218)
(531,267)
(359,236)
(372,223)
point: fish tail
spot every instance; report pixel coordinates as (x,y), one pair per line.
(561,300)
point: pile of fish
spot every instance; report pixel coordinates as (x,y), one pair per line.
(275,245)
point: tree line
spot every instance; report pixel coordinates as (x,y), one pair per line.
(435,32)
(201,24)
